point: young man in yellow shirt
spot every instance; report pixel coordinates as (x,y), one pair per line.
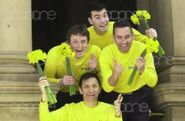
(116,64)
(85,60)
(90,109)
(101,29)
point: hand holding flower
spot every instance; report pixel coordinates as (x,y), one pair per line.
(34,57)
(152,33)
(142,16)
(68,80)
(67,53)
(43,83)
(140,64)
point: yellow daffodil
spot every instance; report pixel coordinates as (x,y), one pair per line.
(135,19)
(132,75)
(67,53)
(66,50)
(152,45)
(139,13)
(36,56)
(139,16)
(146,15)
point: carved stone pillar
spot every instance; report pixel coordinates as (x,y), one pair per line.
(168,18)
(16,40)
(19,93)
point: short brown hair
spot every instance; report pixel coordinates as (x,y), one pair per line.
(78,30)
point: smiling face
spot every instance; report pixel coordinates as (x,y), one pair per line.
(90,89)
(100,20)
(78,44)
(123,37)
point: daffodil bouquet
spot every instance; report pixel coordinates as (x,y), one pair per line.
(67,53)
(142,16)
(152,45)
(34,57)
(130,80)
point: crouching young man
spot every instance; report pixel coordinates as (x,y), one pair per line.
(90,109)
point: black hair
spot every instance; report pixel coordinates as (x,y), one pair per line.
(96,6)
(88,75)
(78,30)
(120,24)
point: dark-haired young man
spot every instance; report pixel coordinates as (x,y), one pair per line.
(101,29)
(85,60)
(116,64)
(90,109)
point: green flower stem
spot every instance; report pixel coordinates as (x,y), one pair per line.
(69,71)
(161,51)
(130,80)
(145,23)
(39,69)
(72,90)
(49,93)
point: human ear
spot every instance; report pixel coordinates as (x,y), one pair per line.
(80,90)
(90,20)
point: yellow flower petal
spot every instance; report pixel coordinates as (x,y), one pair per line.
(146,15)
(36,56)
(139,13)
(135,19)
(152,45)
(66,50)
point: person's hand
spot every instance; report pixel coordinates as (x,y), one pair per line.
(67,80)
(43,82)
(151,33)
(92,62)
(140,64)
(118,69)
(117,105)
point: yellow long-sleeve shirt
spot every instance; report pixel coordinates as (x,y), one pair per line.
(128,60)
(55,67)
(107,38)
(78,112)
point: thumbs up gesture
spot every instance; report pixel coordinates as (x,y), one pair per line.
(92,62)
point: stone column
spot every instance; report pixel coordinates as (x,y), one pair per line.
(19,93)
(169,20)
(16,40)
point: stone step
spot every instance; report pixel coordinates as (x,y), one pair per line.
(19,100)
